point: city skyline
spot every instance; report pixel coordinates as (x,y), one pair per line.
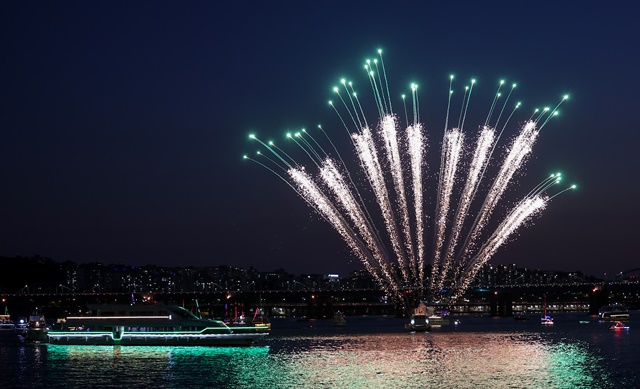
(124,126)
(49,276)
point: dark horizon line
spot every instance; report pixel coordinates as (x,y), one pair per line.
(37,256)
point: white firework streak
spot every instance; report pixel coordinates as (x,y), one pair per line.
(366,150)
(478,164)
(390,138)
(458,251)
(314,196)
(519,150)
(452,149)
(344,196)
(415,148)
(524,211)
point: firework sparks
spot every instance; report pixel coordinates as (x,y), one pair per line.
(393,163)
(478,163)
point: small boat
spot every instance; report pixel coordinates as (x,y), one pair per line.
(520,316)
(150,325)
(260,319)
(619,326)
(419,319)
(546,320)
(614,312)
(37,330)
(7,328)
(438,320)
(339,320)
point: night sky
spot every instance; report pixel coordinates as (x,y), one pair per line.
(123,124)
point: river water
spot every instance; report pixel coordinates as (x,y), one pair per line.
(369,352)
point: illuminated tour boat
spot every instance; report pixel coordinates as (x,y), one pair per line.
(419,319)
(7,328)
(37,330)
(614,312)
(438,318)
(150,325)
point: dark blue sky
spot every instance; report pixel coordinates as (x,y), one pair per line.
(123,124)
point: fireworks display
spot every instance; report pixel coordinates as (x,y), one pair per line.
(386,222)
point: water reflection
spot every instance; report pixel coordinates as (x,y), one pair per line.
(461,360)
(153,366)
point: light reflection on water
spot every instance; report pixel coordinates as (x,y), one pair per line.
(343,358)
(155,366)
(461,360)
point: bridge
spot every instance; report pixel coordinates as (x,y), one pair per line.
(502,300)
(632,275)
